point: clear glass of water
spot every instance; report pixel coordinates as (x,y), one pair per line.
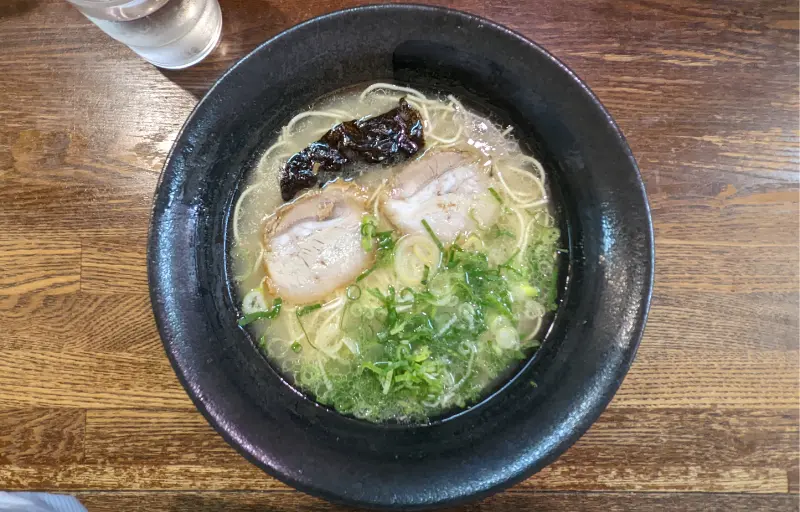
(171,34)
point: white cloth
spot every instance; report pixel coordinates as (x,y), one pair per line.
(38,502)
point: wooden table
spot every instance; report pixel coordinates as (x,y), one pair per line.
(706,419)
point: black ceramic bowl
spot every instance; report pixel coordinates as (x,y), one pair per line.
(520,428)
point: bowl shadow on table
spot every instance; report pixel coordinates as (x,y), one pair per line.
(281,501)
(245,25)
(254,502)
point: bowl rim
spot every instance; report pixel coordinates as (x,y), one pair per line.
(588,418)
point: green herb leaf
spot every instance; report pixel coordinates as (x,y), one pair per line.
(497,232)
(433,235)
(364,274)
(409,345)
(384,240)
(259,315)
(300,312)
(307,309)
(368,228)
(496,195)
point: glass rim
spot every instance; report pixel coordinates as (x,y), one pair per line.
(107,3)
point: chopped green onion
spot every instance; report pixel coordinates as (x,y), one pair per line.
(406,294)
(496,195)
(387,381)
(307,309)
(364,274)
(408,343)
(259,315)
(369,236)
(433,235)
(353,292)
(511,258)
(368,227)
(300,312)
(377,294)
(450,256)
(492,300)
(497,231)
(385,240)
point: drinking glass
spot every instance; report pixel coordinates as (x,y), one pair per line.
(171,34)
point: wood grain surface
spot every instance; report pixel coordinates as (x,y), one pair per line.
(707,419)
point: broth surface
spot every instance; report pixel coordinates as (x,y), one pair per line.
(407,290)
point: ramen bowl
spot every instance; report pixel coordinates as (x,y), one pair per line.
(536,414)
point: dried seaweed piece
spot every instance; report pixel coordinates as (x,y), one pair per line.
(386,138)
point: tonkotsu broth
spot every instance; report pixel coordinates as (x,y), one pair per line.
(435,318)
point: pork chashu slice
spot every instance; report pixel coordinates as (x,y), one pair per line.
(313,245)
(448,190)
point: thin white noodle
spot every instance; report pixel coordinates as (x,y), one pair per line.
(439,106)
(252,269)
(272,148)
(548,219)
(524,247)
(443,146)
(374,195)
(345,114)
(523,200)
(448,325)
(419,105)
(455,102)
(334,350)
(535,204)
(451,140)
(535,330)
(330,317)
(295,334)
(376,212)
(430,102)
(311,325)
(513,195)
(427,116)
(445,399)
(312,113)
(331,304)
(537,165)
(330,352)
(529,176)
(523,231)
(390,87)
(236,209)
